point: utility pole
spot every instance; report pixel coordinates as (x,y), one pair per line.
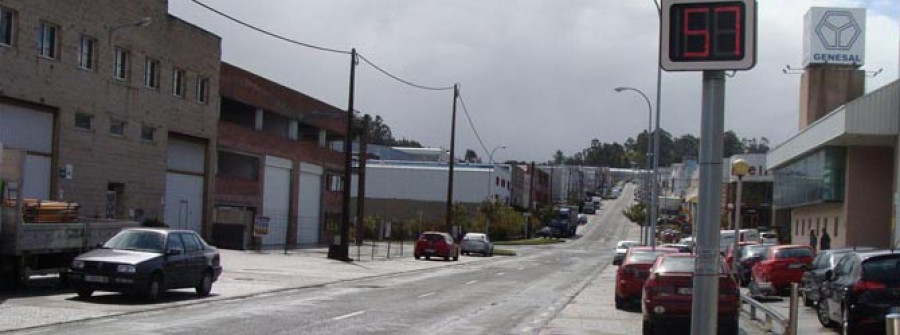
(449,217)
(341,250)
(361,180)
(706,278)
(533,171)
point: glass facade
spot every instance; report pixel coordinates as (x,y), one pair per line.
(815,178)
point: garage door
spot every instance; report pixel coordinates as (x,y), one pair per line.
(277,199)
(30,130)
(309,204)
(186,164)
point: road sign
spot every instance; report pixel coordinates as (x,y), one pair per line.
(697,35)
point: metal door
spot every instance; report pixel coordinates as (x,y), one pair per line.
(184,201)
(310,204)
(276,199)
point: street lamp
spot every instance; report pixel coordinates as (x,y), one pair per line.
(739,168)
(491,176)
(647,221)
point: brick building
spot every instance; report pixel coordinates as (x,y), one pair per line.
(115,103)
(279,157)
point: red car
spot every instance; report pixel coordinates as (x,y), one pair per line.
(779,266)
(668,296)
(729,253)
(436,244)
(633,272)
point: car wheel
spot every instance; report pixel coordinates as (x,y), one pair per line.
(822,315)
(447,257)
(154,288)
(807,301)
(456,257)
(84,293)
(428,257)
(205,285)
(417,256)
(620,304)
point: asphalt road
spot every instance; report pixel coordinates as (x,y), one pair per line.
(503,295)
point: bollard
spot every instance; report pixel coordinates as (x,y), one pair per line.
(892,321)
(792,315)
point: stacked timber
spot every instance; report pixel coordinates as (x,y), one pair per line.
(41,211)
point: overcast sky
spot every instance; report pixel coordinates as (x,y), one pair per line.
(537,75)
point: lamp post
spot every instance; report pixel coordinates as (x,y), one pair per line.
(739,168)
(491,176)
(647,221)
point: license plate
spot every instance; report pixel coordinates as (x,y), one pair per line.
(429,250)
(686,290)
(96,279)
(795,266)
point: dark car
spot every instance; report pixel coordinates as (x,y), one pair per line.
(749,256)
(860,290)
(146,262)
(668,296)
(436,244)
(813,278)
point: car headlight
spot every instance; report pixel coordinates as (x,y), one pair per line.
(77,265)
(125,268)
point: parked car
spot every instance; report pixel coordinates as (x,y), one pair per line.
(859,291)
(683,248)
(779,266)
(730,252)
(811,283)
(668,295)
(689,241)
(588,208)
(546,232)
(621,249)
(146,262)
(630,276)
(768,237)
(477,243)
(749,256)
(436,244)
(582,219)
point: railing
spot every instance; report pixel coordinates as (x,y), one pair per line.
(787,325)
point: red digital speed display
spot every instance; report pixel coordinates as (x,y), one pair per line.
(711,31)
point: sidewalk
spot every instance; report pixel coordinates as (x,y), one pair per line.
(246,273)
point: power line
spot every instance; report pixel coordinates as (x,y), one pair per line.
(472,124)
(245,24)
(385,72)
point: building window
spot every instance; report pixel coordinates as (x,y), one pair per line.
(151,73)
(178,82)
(335,182)
(86,52)
(835,226)
(48,39)
(6,27)
(147,133)
(120,64)
(202,89)
(83,121)
(117,127)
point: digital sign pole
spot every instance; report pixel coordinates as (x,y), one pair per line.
(712,36)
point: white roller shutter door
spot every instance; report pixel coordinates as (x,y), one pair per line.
(186,164)
(310,204)
(277,199)
(30,130)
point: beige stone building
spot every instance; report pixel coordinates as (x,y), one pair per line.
(116,103)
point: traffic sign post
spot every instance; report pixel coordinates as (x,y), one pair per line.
(712,36)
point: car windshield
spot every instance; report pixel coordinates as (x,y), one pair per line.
(882,269)
(680,264)
(473,237)
(626,244)
(793,253)
(139,240)
(753,250)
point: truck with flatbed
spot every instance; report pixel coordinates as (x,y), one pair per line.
(41,237)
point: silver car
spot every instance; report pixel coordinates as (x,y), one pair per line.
(477,243)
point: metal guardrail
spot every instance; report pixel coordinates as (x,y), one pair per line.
(770,316)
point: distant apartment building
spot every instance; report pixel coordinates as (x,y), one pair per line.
(115,104)
(276,162)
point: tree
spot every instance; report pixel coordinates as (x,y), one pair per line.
(686,145)
(559,157)
(635,213)
(732,144)
(471,156)
(380,134)
(754,146)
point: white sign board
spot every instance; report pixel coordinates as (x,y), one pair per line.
(834,36)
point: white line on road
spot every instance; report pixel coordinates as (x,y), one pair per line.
(427,294)
(520,269)
(347,315)
(500,274)
(472,282)
(526,329)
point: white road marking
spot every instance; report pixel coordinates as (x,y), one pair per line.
(347,315)
(471,282)
(427,294)
(520,269)
(526,329)
(500,274)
